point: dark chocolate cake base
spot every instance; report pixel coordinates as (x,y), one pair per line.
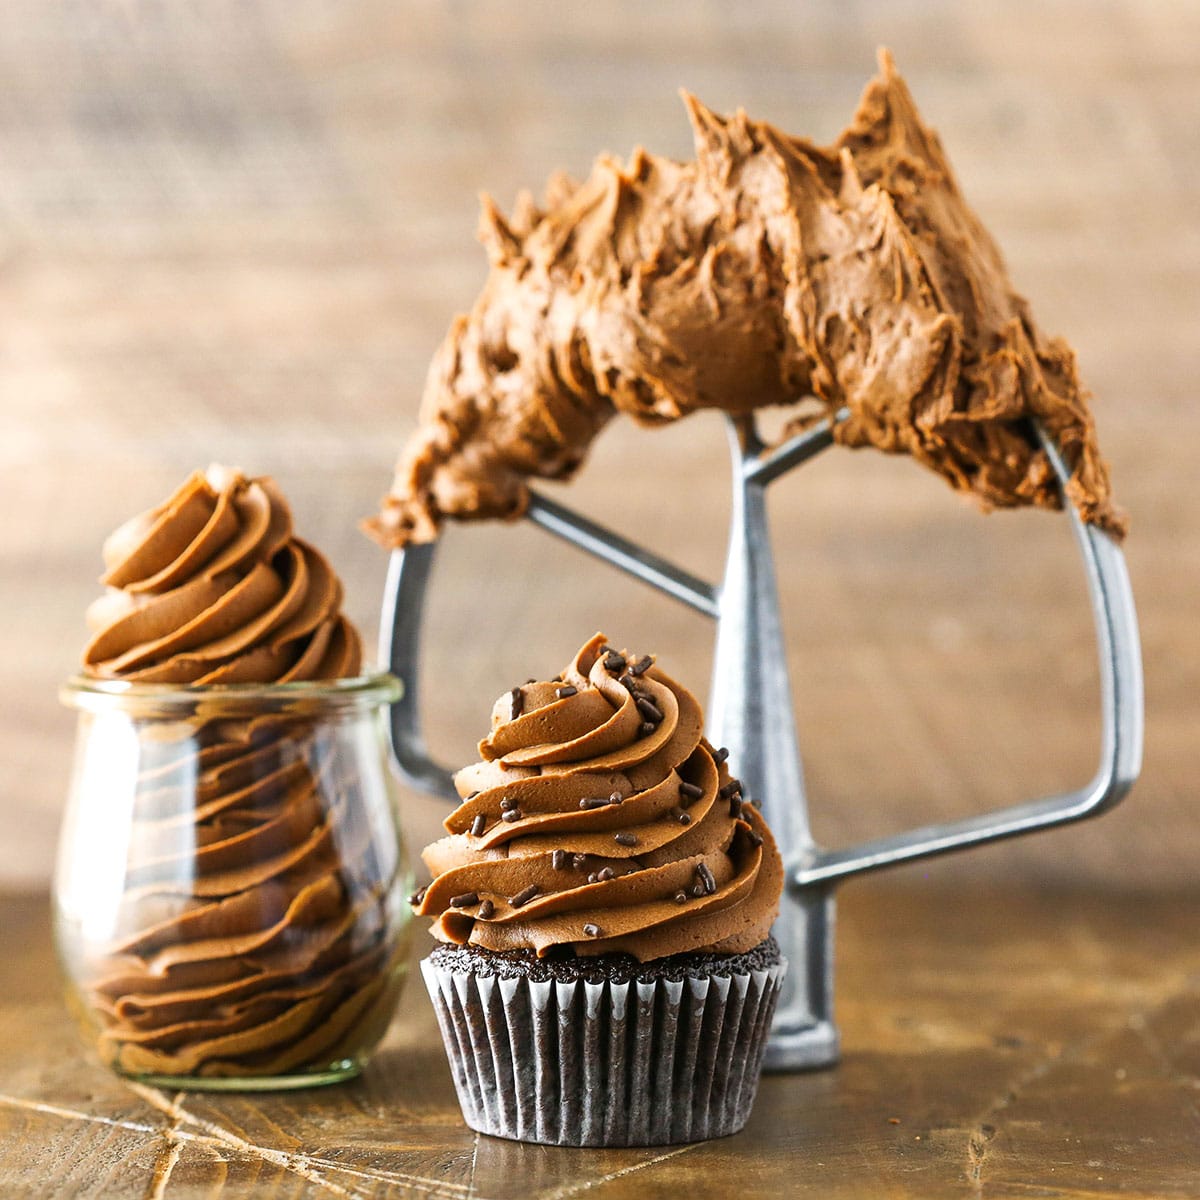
(615,968)
(605,1051)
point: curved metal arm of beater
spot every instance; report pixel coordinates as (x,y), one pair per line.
(620,552)
(409,571)
(1121,729)
(399,644)
(404,599)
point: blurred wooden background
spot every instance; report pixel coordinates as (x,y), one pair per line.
(237,232)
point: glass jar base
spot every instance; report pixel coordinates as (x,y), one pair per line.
(338,1072)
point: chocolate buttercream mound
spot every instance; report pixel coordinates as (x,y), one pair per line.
(767,271)
(212,587)
(609,827)
(257,933)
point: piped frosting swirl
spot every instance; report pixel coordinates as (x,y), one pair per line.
(212,587)
(601,820)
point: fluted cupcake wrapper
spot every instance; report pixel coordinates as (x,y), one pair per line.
(605,1064)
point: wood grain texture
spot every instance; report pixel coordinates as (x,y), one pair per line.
(237,232)
(996,1044)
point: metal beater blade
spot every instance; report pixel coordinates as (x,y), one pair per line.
(750,711)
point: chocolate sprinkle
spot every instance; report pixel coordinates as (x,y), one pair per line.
(567,690)
(592,877)
(472,795)
(605,874)
(647,728)
(754,838)
(594,802)
(417,896)
(507,802)
(730,789)
(510,815)
(642,665)
(559,860)
(579,861)
(693,791)
(478,825)
(524,895)
(649,710)
(628,682)
(486,909)
(465,900)
(625,839)
(591,930)
(518,702)
(684,818)
(614,663)
(698,889)
(706,878)
(615,798)
(735,807)
(681,897)
(720,755)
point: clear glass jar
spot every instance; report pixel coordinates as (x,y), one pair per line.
(229,897)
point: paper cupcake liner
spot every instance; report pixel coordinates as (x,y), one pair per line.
(605,1064)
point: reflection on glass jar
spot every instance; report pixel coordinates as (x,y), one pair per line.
(229,898)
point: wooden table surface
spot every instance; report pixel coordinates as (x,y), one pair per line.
(996,1044)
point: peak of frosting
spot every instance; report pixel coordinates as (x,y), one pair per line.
(599,819)
(211,586)
(766,271)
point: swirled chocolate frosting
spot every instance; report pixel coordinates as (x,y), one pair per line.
(600,820)
(767,271)
(212,587)
(257,932)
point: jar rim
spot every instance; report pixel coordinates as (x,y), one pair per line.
(358,691)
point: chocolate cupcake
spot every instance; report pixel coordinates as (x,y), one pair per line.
(604,900)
